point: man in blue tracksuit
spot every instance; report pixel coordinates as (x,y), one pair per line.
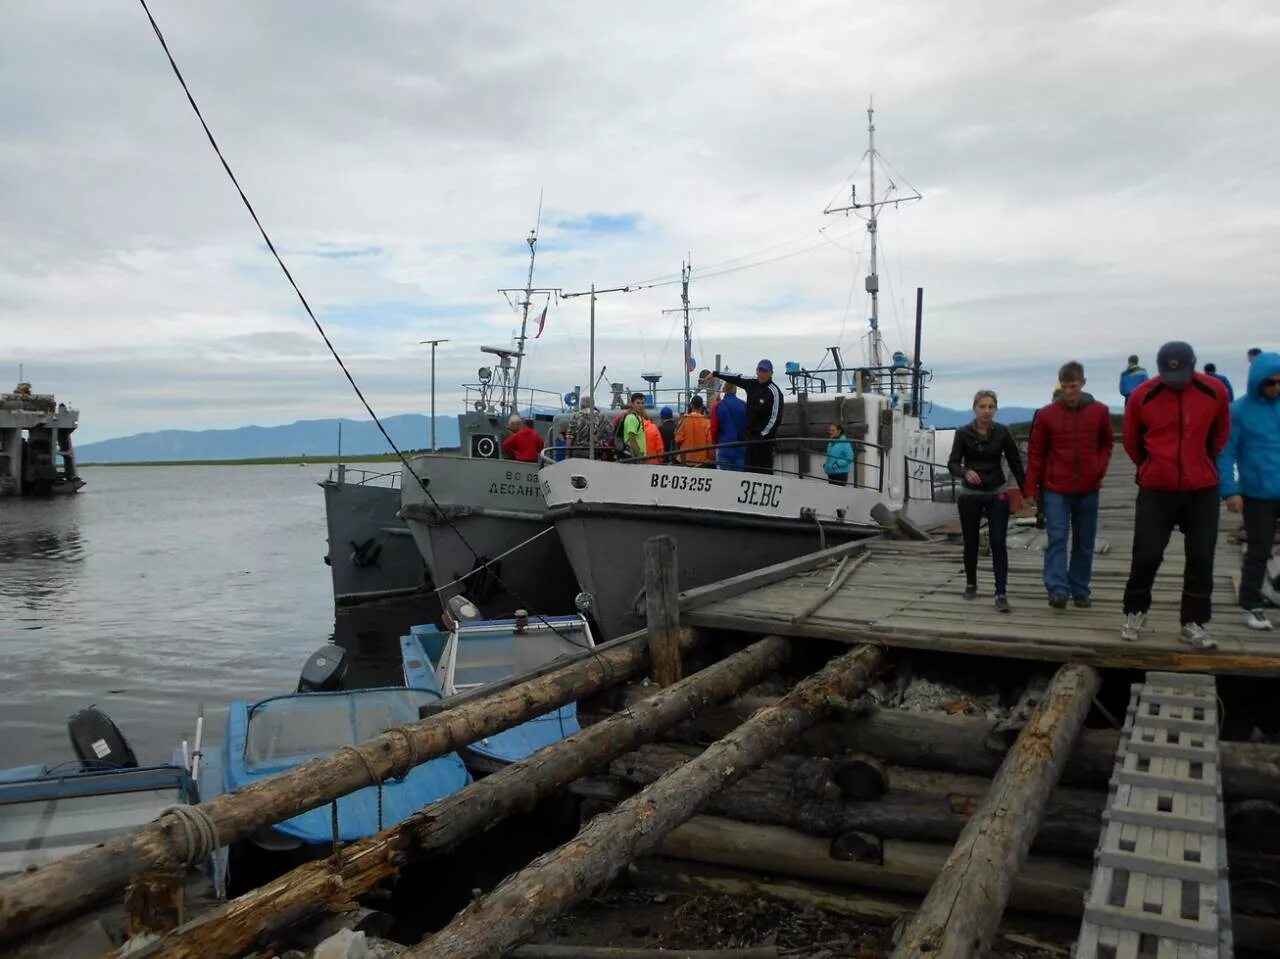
(764,413)
(1249,471)
(1131,377)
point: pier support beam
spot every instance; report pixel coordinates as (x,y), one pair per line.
(662,599)
(960,915)
(507,916)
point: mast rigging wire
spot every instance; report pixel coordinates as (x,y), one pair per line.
(266,238)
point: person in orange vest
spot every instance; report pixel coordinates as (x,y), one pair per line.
(653,444)
(694,433)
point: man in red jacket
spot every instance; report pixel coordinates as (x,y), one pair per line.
(524,444)
(1174,428)
(1070,450)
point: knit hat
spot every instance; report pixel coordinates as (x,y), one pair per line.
(666,413)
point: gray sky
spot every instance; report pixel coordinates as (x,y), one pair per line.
(1098,178)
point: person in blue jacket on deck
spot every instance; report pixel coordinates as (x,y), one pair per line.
(1131,377)
(1212,370)
(1249,481)
(839,456)
(731,427)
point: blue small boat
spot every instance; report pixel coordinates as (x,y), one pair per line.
(48,812)
(282,732)
(481,652)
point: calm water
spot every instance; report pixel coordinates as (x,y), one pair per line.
(154,590)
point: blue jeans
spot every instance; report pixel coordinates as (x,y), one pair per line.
(1076,513)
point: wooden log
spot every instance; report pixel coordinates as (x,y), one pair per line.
(662,602)
(923,805)
(871,906)
(586,864)
(36,899)
(959,744)
(1044,885)
(800,792)
(1006,731)
(960,915)
(258,916)
(548,951)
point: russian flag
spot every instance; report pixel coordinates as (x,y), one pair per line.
(542,321)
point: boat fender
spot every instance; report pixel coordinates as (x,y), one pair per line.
(97,740)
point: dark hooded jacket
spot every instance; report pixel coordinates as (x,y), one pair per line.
(1070,447)
(1249,464)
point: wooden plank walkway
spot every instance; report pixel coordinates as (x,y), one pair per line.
(909,595)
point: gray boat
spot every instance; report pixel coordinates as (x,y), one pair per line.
(372,555)
(728,522)
(35,433)
(480,521)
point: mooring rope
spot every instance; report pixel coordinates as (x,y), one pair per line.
(202,841)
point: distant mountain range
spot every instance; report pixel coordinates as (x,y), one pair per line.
(313,438)
(319,438)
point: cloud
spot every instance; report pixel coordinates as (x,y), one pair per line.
(1097,178)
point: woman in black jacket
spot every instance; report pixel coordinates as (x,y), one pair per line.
(976,458)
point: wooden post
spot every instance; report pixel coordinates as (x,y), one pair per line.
(662,596)
(507,916)
(237,926)
(32,900)
(960,915)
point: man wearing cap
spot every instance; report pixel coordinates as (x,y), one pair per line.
(1175,426)
(667,428)
(764,413)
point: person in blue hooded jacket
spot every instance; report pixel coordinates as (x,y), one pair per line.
(1249,471)
(839,462)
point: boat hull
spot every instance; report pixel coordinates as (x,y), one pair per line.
(605,544)
(482,510)
(372,554)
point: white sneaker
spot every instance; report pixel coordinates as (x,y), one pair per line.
(1133,623)
(1256,619)
(1270,593)
(1193,634)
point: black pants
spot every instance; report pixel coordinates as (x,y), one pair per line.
(838,479)
(974,506)
(1260,517)
(759,457)
(1154,520)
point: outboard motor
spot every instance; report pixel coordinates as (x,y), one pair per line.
(96,739)
(461,610)
(324,671)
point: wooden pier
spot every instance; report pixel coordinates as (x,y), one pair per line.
(908,594)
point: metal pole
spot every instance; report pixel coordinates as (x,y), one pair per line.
(916,385)
(434,344)
(591,371)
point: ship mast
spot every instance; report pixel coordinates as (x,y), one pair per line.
(686,269)
(876,346)
(527,301)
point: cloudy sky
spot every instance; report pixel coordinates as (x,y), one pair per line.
(1097,178)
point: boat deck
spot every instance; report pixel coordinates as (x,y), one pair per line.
(908,594)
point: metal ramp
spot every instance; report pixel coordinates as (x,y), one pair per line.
(1159,889)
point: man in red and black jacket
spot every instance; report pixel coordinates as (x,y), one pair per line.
(1174,428)
(1067,458)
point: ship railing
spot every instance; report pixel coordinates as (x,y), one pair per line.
(492,398)
(867,472)
(353,476)
(930,481)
